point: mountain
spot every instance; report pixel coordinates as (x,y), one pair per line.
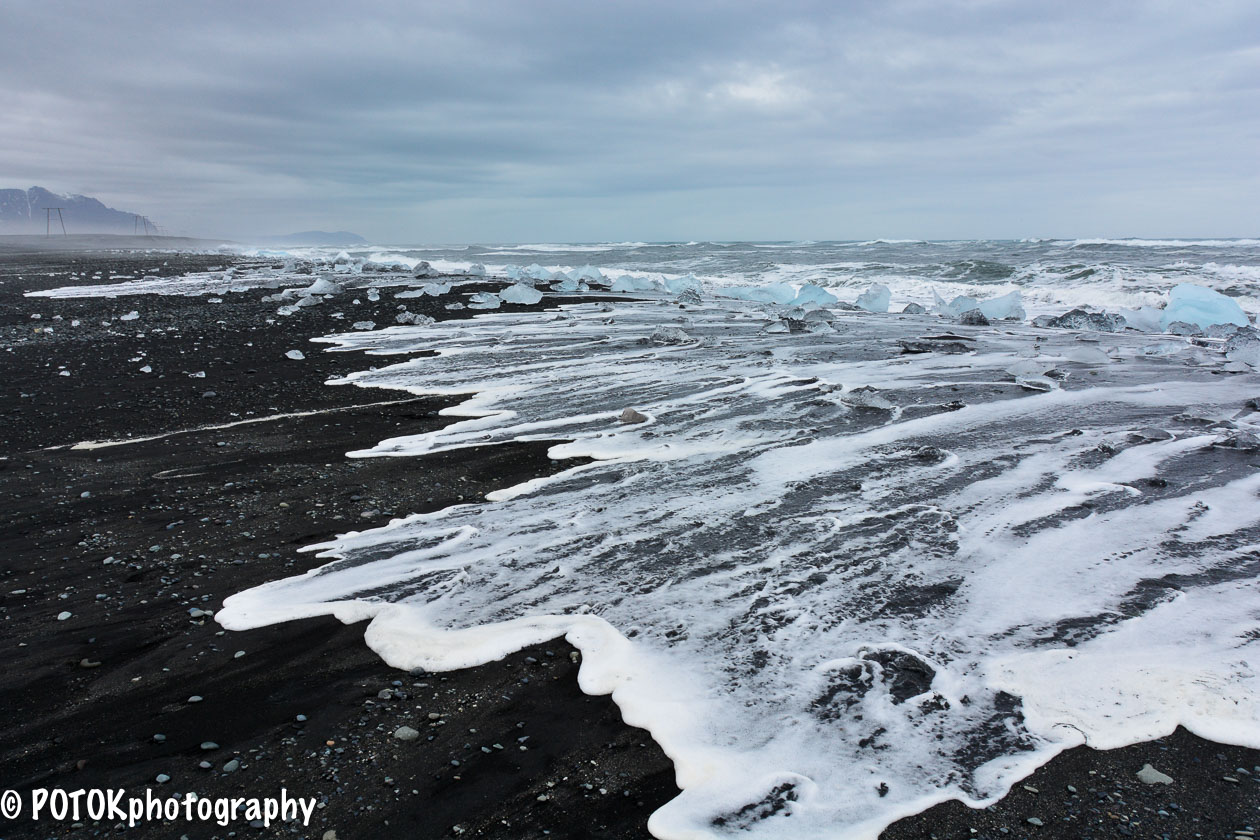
(22,211)
(340,239)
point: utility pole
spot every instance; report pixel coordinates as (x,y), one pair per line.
(48,221)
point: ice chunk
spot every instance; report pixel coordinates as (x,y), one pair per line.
(956,307)
(433,289)
(484,300)
(1163,348)
(875,299)
(867,397)
(476,270)
(130,316)
(323,286)
(537,272)
(1004,308)
(913,309)
(295,355)
(678,285)
(1087,355)
(690,296)
(521,293)
(669,335)
(373,295)
(1202,307)
(973,318)
(591,274)
(1145,319)
(774,293)
(1029,368)
(568,284)
(810,295)
(1079,319)
(423,269)
(626,283)
(415,318)
(364,325)
(1036,383)
(1244,346)
(309,300)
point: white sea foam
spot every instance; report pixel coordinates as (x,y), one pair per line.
(806,598)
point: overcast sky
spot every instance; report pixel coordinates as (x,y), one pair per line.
(521,120)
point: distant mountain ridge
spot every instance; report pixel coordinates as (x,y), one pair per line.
(22,211)
(318,237)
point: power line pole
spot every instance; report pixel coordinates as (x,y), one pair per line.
(48,221)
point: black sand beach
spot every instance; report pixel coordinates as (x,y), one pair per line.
(134,541)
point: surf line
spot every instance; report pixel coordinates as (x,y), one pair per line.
(102,444)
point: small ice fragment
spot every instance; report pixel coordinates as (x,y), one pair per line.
(629,415)
(1079,319)
(669,335)
(130,316)
(568,284)
(913,309)
(414,318)
(364,325)
(1087,355)
(1028,367)
(876,298)
(1007,307)
(592,275)
(811,295)
(690,296)
(1144,319)
(867,397)
(1201,306)
(322,286)
(483,300)
(62,616)
(521,293)
(1036,383)
(537,272)
(475,270)
(146,369)
(1163,348)
(373,295)
(626,283)
(295,355)
(678,285)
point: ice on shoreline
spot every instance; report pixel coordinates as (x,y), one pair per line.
(834,581)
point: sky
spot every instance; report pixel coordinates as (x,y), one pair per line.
(539,120)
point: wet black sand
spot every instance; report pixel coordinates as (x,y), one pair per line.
(188,519)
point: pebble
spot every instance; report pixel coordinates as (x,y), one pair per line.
(301,718)
(159,738)
(238,654)
(89,663)
(406,733)
(62,616)
(329,835)
(204,765)
(196,698)
(209,745)
(232,766)
(1035,821)
(162,778)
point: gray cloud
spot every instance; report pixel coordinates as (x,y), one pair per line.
(565,120)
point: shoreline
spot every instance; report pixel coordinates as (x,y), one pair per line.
(228,509)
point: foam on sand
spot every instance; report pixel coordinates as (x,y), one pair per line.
(837,583)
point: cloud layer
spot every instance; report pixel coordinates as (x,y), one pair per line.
(508,121)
